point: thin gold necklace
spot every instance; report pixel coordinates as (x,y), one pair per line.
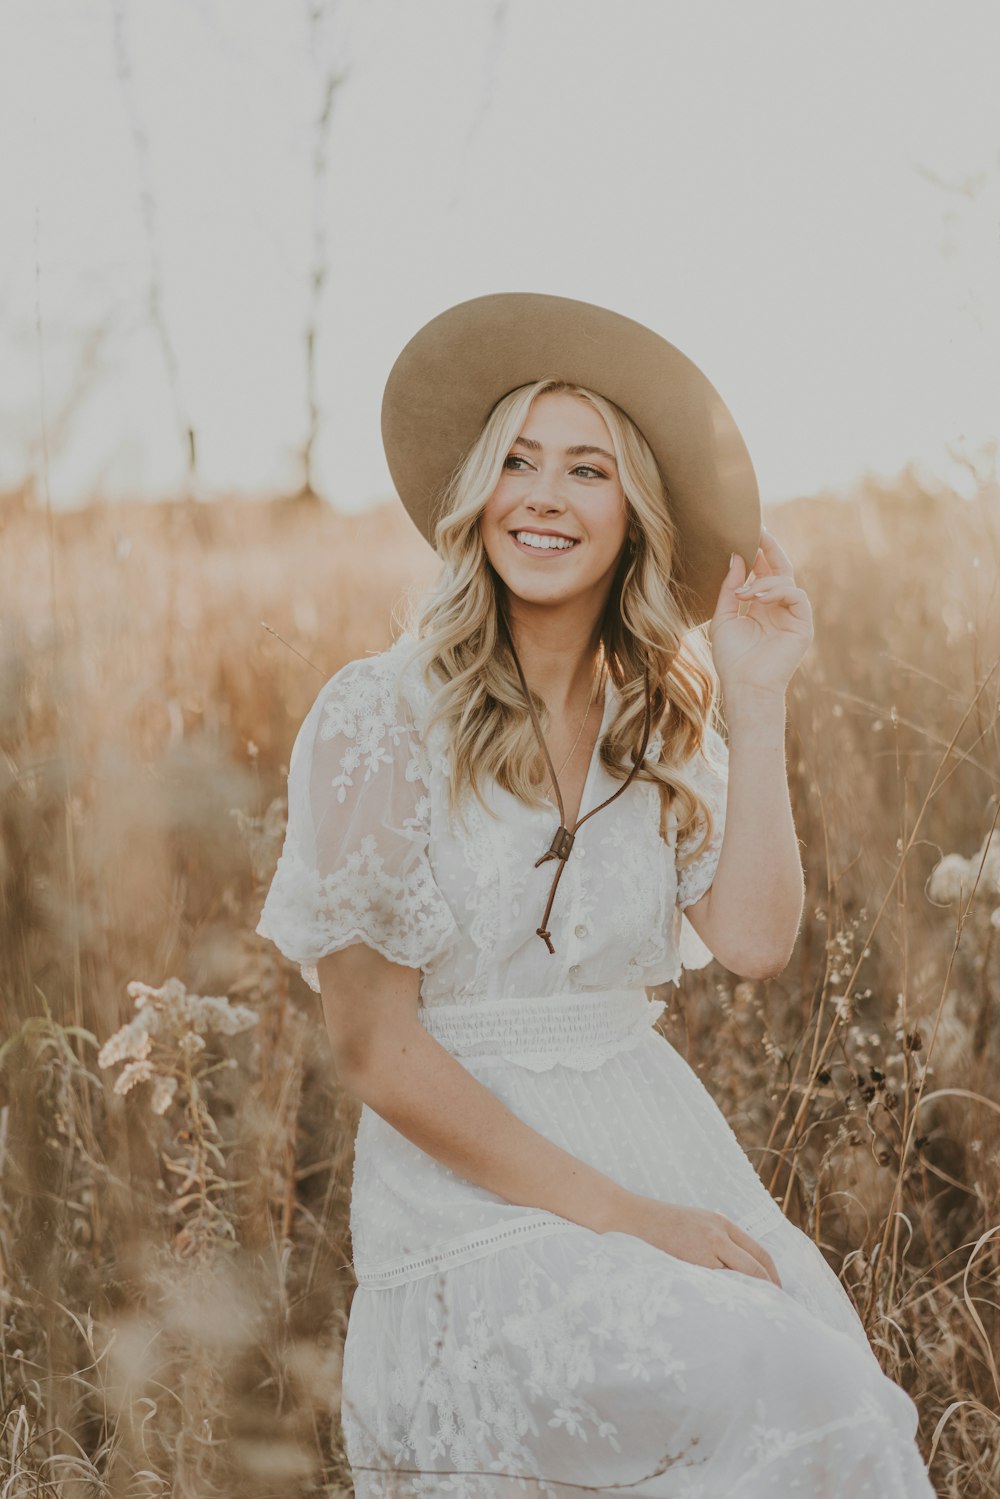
(583,722)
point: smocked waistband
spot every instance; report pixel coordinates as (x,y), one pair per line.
(543,1031)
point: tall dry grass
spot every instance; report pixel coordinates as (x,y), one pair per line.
(174,1260)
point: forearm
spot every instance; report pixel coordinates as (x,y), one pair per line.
(757,891)
(426,1094)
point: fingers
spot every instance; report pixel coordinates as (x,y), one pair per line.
(755,586)
(736,562)
(773,553)
(748,1245)
(730,598)
(778,590)
(771,559)
(738,1259)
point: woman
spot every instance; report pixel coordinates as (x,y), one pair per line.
(502,831)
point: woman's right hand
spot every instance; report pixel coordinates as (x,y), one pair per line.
(698,1235)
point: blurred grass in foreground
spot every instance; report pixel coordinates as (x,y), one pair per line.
(174,1259)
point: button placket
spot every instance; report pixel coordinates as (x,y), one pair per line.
(578,931)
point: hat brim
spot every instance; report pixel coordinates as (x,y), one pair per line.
(452,372)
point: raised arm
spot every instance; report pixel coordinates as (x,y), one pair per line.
(750,916)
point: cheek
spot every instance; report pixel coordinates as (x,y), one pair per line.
(491,529)
(493,518)
(494,505)
(613,523)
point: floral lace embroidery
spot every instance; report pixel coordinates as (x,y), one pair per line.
(470,928)
(361,874)
(400,916)
(757,1397)
(362,712)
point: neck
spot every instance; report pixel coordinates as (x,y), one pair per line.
(559,650)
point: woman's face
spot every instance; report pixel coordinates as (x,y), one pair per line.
(559,481)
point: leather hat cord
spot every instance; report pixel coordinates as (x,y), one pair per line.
(562,842)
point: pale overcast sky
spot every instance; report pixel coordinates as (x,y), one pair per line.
(754,180)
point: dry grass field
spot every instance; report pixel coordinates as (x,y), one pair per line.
(174,1258)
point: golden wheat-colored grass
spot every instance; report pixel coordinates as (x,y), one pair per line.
(174,1260)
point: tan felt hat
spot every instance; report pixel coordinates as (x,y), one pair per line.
(450,375)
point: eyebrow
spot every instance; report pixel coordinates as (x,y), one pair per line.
(580,447)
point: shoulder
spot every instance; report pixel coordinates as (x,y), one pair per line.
(370,689)
(369,693)
(367,711)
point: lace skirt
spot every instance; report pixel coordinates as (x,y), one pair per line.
(497,1350)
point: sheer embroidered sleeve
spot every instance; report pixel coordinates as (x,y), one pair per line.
(711,778)
(354,865)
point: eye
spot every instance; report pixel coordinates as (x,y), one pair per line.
(585,468)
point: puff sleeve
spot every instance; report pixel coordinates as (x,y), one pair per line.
(354,865)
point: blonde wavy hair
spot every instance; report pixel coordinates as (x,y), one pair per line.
(466,660)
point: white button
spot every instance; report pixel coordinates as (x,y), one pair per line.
(574,972)
(581,930)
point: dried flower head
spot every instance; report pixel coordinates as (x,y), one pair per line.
(843,1007)
(949,879)
(177,1011)
(132,1073)
(162,1095)
(168,1032)
(955,875)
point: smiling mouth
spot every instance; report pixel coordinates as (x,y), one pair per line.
(551,546)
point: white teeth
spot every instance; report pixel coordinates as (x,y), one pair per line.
(544,543)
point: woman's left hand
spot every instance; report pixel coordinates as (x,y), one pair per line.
(760,650)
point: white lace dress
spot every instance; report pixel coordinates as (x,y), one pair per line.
(499,1349)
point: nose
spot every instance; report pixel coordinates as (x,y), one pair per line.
(545,495)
